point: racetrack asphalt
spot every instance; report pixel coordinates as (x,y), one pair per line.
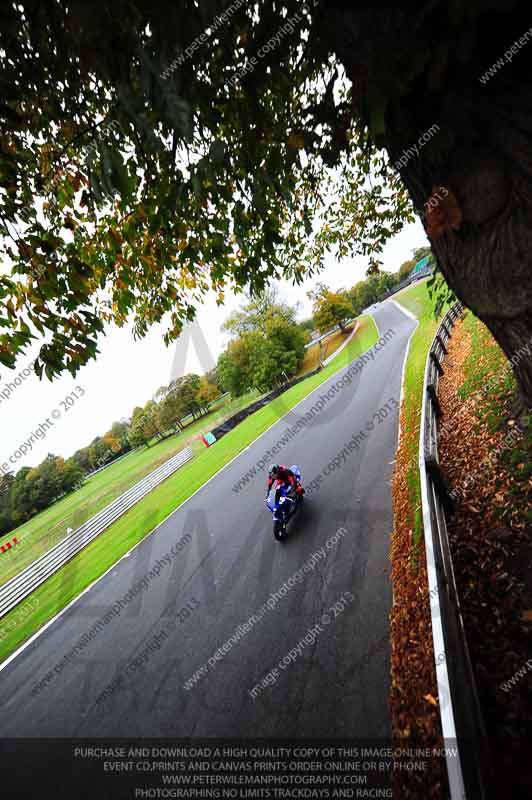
(335,686)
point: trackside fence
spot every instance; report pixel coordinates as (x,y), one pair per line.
(460,713)
(23,584)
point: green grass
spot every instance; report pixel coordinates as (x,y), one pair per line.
(49,527)
(489,377)
(416,299)
(102,553)
(486,361)
(332,343)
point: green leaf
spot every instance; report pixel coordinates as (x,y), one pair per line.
(217,150)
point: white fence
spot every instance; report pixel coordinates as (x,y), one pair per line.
(460,714)
(23,584)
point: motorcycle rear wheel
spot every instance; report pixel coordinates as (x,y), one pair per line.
(278,530)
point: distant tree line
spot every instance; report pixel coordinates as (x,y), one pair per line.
(267,347)
(335,308)
(33,489)
(267,344)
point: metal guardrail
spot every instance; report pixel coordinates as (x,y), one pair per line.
(423,273)
(133,449)
(460,713)
(319,339)
(23,584)
(342,347)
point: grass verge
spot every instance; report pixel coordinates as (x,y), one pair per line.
(413,695)
(103,552)
(325,348)
(49,527)
(418,302)
(486,454)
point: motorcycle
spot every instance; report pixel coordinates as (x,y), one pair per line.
(286,506)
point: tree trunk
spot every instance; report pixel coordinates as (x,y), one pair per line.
(515,337)
(488,260)
(479,147)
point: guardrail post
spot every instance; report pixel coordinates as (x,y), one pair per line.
(431,391)
(441,484)
(459,708)
(446,329)
(440,342)
(435,360)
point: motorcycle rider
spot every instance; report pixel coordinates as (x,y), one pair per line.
(278,472)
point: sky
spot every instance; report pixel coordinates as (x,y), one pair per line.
(70,412)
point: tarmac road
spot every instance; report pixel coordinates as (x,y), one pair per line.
(335,683)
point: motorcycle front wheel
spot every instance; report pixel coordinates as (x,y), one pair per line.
(278,530)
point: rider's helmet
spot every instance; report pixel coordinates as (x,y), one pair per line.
(274,470)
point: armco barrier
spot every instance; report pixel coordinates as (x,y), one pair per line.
(187,417)
(423,273)
(329,333)
(23,584)
(241,415)
(461,717)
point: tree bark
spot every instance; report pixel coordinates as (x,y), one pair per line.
(515,337)
(481,150)
(488,260)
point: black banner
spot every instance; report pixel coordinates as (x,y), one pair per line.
(157,769)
